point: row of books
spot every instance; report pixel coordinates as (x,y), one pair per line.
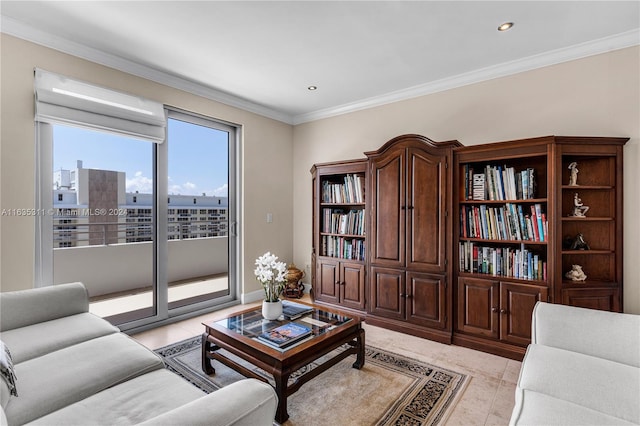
(508,222)
(499,183)
(351,191)
(501,261)
(338,222)
(344,248)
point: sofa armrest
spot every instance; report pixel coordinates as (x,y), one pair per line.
(608,335)
(248,402)
(27,307)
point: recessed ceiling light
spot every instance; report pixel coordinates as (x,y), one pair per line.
(506,26)
(312,88)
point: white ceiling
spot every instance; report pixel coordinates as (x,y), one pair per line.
(263,55)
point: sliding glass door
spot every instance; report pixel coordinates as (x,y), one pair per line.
(199,210)
(140,202)
(99,236)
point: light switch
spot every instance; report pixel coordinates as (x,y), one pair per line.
(269,217)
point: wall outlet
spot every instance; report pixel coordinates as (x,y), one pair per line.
(269,217)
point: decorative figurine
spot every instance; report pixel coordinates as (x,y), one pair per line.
(294,288)
(577,243)
(573,178)
(576,273)
(579,209)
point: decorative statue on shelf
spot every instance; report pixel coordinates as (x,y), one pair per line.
(573,178)
(577,243)
(576,273)
(579,209)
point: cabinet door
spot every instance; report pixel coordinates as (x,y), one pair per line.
(516,308)
(387,289)
(426,202)
(478,307)
(426,300)
(604,299)
(388,210)
(327,281)
(352,285)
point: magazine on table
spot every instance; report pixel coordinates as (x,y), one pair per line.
(285,335)
(292,310)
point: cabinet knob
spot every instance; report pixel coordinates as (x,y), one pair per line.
(409,296)
(402,207)
(337,282)
(494,309)
(402,295)
(503,311)
(410,207)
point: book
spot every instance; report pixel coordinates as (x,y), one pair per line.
(285,335)
(292,310)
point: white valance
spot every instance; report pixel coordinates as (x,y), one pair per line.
(67,101)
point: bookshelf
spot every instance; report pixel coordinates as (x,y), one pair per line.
(458,243)
(503,239)
(339,236)
(598,184)
(516,246)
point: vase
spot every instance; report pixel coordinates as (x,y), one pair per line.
(271,310)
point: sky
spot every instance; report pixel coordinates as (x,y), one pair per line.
(198,157)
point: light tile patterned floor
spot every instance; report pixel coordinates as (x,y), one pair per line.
(488,399)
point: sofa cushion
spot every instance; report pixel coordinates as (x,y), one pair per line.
(535,409)
(128,403)
(588,331)
(38,339)
(570,376)
(66,376)
(26,307)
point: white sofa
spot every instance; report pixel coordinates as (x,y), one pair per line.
(74,368)
(582,368)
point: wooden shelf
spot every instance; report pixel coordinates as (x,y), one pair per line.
(343,235)
(528,201)
(518,242)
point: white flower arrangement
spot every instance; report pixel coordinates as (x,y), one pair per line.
(272,275)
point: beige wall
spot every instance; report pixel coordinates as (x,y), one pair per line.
(266,157)
(596,96)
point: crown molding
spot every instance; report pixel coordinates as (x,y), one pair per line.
(595,47)
(578,51)
(20,30)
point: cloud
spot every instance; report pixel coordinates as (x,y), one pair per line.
(221,191)
(139,183)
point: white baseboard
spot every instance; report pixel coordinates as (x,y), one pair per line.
(254,296)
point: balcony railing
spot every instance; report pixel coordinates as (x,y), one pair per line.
(70,233)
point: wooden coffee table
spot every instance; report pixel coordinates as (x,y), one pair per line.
(238,335)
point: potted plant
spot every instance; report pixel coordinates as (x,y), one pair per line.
(273,277)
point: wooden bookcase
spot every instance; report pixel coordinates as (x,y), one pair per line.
(599,186)
(339,233)
(504,269)
(442,262)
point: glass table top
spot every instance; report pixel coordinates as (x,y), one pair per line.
(252,324)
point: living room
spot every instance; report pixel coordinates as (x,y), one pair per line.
(592,91)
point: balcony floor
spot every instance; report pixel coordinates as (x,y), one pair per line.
(108,305)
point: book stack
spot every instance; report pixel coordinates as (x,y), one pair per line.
(351,191)
(498,183)
(508,222)
(501,261)
(339,222)
(292,310)
(285,335)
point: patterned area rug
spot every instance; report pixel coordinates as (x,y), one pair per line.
(389,390)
